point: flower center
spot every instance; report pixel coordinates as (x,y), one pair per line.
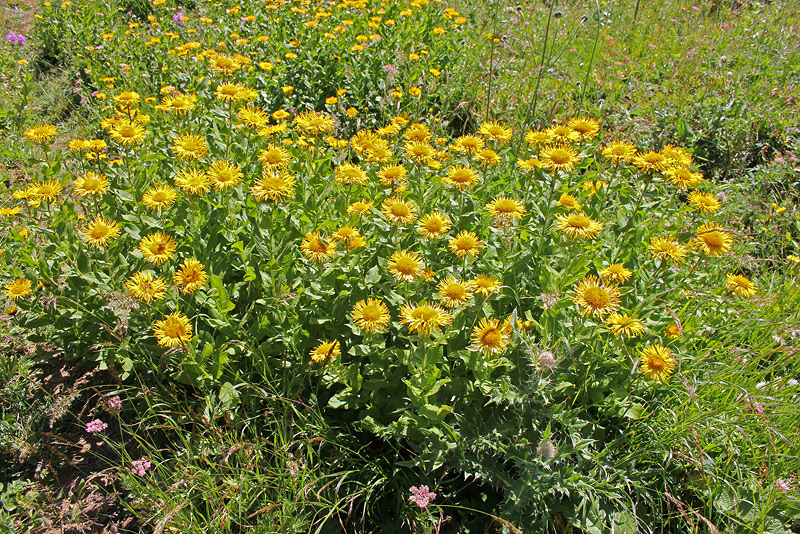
(596,297)
(371,313)
(492,338)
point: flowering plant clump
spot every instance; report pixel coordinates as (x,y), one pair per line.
(508,301)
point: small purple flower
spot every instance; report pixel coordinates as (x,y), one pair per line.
(139,467)
(783,485)
(96,426)
(114,403)
(421,496)
(179,18)
(15,39)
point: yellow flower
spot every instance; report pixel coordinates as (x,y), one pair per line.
(684,178)
(159,197)
(568,201)
(651,162)
(667,248)
(190,276)
(224,64)
(45,190)
(127,99)
(345,234)
(418,132)
(713,240)
(676,156)
(487,156)
(313,122)
(563,134)
(419,151)
(89,184)
(623,325)
(530,164)
(8,212)
(740,285)
(100,231)
(594,297)
(398,211)
(433,225)
(193,181)
(173,331)
(657,362)
(40,133)
(485,284)
(128,133)
(359,207)
(273,156)
(705,202)
(616,272)
(558,157)
(405,266)
(673,331)
(496,132)
(619,151)
(468,144)
(491,336)
(465,244)
(586,127)
(143,286)
(424,318)
(578,226)
(505,210)
(229,92)
(325,351)
(454,292)
(349,174)
(461,177)
(316,248)
(157,248)
(224,175)
(18,288)
(252,117)
(371,315)
(274,186)
(538,137)
(190,146)
(392,174)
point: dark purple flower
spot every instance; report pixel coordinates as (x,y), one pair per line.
(179,18)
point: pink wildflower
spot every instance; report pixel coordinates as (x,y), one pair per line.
(138,467)
(782,485)
(96,426)
(421,496)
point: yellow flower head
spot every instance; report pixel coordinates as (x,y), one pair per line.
(424,318)
(568,201)
(683,178)
(468,144)
(349,174)
(578,226)
(558,157)
(275,186)
(650,162)
(485,284)
(317,248)
(224,175)
(190,146)
(619,151)
(491,336)
(314,122)
(128,133)
(563,134)
(193,181)
(465,244)
(405,265)
(740,285)
(505,210)
(667,247)
(371,315)
(616,273)
(454,292)
(359,207)
(159,197)
(433,225)
(18,288)
(461,177)
(143,286)
(495,131)
(398,211)
(704,202)
(595,297)
(586,127)
(623,325)
(157,248)
(487,156)
(713,240)
(90,184)
(325,351)
(100,231)
(657,362)
(40,133)
(190,276)
(173,331)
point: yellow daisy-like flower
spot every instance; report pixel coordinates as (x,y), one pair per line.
(619,151)
(224,64)
(650,162)
(568,201)
(190,146)
(224,175)
(179,103)
(528,165)
(485,284)
(487,156)
(433,225)
(316,248)
(491,336)
(159,197)
(275,129)
(496,132)
(563,134)
(586,127)
(40,133)
(127,99)
(405,266)
(190,276)
(193,181)
(349,174)
(673,331)
(505,210)
(45,190)
(173,331)
(371,315)
(364,141)
(538,137)
(8,212)
(740,285)
(252,117)
(623,325)
(684,178)
(418,132)
(157,248)
(90,184)
(229,92)
(705,202)
(465,244)
(595,297)
(592,187)
(419,151)
(345,234)
(454,292)
(393,174)
(313,122)
(616,273)
(468,144)
(359,207)
(100,231)
(657,362)
(128,133)
(424,318)
(713,240)
(325,351)
(274,186)
(274,157)
(461,177)
(397,211)
(578,226)
(143,286)
(667,247)
(558,157)
(676,156)
(18,288)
